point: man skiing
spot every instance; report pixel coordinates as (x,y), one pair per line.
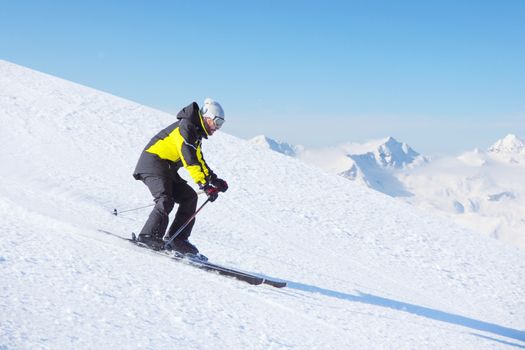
(179,145)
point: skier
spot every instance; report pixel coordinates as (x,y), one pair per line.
(179,145)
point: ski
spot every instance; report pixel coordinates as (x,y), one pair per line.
(206,265)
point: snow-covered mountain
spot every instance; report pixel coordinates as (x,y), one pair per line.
(277,146)
(373,164)
(364,271)
(482,190)
(511,149)
(386,153)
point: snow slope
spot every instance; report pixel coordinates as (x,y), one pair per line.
(364,270)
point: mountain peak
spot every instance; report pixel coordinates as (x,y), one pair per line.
(509,144)
(386,152)
(511,148)
(276,145)
(392,153)
(390,140)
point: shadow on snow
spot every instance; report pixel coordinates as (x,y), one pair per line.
(417,310)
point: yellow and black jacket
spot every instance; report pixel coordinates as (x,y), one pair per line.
(176,146)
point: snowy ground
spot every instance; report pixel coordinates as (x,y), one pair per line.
(364,270)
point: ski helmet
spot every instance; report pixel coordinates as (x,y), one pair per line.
(213,110)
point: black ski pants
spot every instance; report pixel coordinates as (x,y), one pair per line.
(166,192)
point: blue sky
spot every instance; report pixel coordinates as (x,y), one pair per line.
(444,76)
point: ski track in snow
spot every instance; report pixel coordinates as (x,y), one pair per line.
(364,271)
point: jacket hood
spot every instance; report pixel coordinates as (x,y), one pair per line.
(192,114)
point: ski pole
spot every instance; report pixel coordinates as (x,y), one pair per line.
(116,212)
(167,243)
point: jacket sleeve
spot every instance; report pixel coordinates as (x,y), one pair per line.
(211,175)
(191,154)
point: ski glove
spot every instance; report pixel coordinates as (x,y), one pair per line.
(219,184)
(211,192)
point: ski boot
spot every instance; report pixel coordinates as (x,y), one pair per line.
(183,248)
(153,242)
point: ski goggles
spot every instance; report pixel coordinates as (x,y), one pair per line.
(218,121)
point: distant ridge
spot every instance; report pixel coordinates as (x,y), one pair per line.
(277,146)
